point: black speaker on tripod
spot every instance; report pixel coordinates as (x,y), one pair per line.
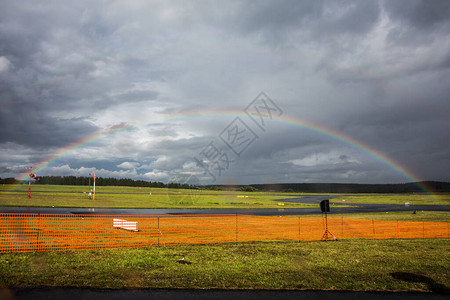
(325,206)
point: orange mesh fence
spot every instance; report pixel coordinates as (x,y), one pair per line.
(51,232)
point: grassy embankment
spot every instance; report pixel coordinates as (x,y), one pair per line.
(388,265)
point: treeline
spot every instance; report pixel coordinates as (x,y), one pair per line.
(9,180)
(109,181)
(411,187)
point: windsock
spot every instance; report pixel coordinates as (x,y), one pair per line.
(35,177)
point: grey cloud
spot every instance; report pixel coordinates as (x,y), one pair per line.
(46,131)
(348,18)
(296,22)
(275,16)
(6,170)
(415,20)
(422,14)
(138,96)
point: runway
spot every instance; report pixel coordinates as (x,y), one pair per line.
(162,294)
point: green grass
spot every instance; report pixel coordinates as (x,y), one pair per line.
(413,199)
(358,265)
(419,216)
(134,197)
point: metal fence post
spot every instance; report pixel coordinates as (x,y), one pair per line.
(423,229)
(448,230)
(37,236)
(236,228)
(299,228)
(373,228)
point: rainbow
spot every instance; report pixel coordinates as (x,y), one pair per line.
(290,120)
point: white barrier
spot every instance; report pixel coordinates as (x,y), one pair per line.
(124,224)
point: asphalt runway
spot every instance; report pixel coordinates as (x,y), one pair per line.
(166,294)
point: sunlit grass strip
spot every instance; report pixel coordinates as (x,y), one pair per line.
(399,199)
(185,199)
(50,232)
(137,197)
(357,265)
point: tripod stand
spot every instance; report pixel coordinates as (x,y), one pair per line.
(325,207)
(327,235)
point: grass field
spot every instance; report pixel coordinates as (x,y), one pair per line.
(135,197)
(413,199)
(419,216)
(388,265)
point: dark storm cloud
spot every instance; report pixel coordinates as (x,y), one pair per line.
(26,127)
(416,19)
(289,21)
(421,14)
(54,48)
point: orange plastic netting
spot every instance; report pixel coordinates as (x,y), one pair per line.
(51,232)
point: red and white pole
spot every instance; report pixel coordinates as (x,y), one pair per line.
(29,182)
(89,186)
(35,177)
(29,187)
(94,188)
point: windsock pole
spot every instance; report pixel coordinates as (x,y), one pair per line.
(35,177)
(29,183)
(90,194)
(29,187)
(93,197)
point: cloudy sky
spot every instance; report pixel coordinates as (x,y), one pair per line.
(177,78)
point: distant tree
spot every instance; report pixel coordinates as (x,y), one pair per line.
(9,180)
(247,188)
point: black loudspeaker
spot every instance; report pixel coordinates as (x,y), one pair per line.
(325,206)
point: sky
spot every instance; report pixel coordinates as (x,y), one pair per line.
(226,92)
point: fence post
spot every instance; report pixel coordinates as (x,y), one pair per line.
(398,229)
(423,229)
(373,228)
(299,229)
(448,230)
(236,228)
(342,227)
(159,231)
(37,237)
